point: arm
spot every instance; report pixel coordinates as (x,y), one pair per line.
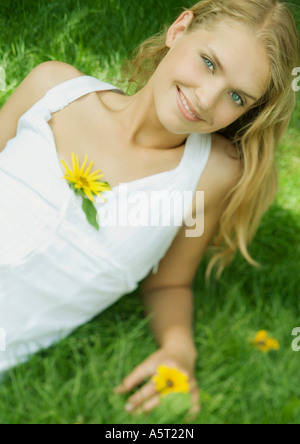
(168,295)
(172,321)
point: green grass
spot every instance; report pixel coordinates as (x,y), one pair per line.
(74,381)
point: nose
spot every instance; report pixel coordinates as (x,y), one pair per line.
(207,97)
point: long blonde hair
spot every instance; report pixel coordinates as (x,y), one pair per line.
(257,133)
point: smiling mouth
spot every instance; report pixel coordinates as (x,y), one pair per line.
(186,108)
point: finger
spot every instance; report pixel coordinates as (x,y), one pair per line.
(140,397)
(151,404)
(193,413)
(196,406)
(194,389)
(139,374)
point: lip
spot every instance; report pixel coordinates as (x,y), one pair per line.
(188,116)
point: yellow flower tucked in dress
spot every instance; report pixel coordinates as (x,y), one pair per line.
(87,185)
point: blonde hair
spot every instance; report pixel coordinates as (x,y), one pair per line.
(257,133)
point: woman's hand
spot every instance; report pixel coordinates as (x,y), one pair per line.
(147,398)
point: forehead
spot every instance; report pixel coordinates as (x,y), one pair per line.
(242,54)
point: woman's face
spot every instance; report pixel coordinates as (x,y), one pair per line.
(209,78)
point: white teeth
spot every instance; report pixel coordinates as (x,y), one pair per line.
(187,106)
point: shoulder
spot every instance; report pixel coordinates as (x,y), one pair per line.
(223,171)
(179,266)
(47,75)
(226,158)
(33,88)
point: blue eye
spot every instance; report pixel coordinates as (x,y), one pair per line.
(237,99)
(209,63)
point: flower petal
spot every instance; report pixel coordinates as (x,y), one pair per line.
(86,174)
(84,164)
(73,162)
(91,176)
(68,171)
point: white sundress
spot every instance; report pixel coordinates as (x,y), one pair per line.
(58,272)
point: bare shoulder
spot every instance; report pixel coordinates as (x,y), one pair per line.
(43,77)
(223,171)
(37,83)
(226,159)
(47,75)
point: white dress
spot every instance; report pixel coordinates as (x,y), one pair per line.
(57,271)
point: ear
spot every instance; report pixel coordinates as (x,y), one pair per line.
(179,27)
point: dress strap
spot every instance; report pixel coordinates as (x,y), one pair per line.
(67,92)
(197,152)
(188,174)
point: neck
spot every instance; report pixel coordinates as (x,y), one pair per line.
(139,122)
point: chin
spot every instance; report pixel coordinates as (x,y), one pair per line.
(174,127)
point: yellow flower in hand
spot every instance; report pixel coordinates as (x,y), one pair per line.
(87,185)
(170,380)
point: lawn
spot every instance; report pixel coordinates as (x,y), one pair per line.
(73,382)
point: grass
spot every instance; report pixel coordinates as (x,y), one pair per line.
(73,382)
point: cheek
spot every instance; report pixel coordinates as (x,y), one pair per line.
(167,111)
(180,65)
(225,114)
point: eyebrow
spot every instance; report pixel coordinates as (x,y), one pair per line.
(222,69)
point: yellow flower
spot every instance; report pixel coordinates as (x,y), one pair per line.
(170,380)
(85,181)
(264,343)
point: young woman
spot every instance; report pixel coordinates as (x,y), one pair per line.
(213,98)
